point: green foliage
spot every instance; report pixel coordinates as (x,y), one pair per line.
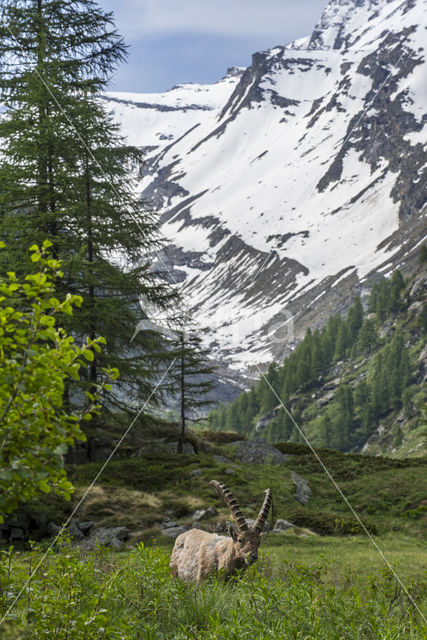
(133,596)
(422,259)
(37,359)
(66,174)
(330,524)
(346,420)
(222,437)
(190,377)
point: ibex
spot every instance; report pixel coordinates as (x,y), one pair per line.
(197,553)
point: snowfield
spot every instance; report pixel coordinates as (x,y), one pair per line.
(293,177)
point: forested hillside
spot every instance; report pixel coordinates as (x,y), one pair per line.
(356,384)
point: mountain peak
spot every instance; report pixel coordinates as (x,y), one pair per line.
(303,179)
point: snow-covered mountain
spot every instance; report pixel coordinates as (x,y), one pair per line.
(286,186)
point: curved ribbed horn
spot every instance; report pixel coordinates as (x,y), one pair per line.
(231,502)
(262,516)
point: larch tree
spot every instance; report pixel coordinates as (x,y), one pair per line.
(66,176)
(190,379)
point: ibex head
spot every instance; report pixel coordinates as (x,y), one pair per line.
(246,540)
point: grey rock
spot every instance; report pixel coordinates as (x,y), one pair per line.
(41,520)
(187,447)
(416,307)
(53,529)
(259,451)
(333,384)
(168,524)
(322,402)
(265,421)
(250,522)
(106,537)
(196,472)
(85,526)
(302,488)
(74,532)
(229,471)
(17,533)
(222,459)
(282,525)
(174,532)
(419,286)
(202,514)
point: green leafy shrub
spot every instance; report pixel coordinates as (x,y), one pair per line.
(37,359)
(329,524)
(222,437)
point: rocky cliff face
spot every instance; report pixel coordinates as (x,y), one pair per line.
(289,185)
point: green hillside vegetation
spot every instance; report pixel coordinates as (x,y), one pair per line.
(345,380)
(328,586)
(389,495)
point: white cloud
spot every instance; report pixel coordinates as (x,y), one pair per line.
(275,18)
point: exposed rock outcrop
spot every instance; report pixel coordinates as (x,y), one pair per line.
(259,451)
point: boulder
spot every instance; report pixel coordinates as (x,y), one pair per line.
(17,534)
(250,522)
(333,384)
(53,529)
(419,286)
(74,532)
(168,523)
(259,451)
(85,526)
(222,459)
(282,525)
(302,488)
(174,532)
(202,514)
(106,537)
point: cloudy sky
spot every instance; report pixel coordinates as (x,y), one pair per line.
(173,41)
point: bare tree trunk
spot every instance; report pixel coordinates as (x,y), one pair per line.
(182,392)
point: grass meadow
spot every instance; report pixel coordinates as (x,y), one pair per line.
(314,588)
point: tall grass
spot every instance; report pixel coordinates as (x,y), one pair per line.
(131,595)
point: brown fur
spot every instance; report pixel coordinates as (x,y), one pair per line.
(197,554)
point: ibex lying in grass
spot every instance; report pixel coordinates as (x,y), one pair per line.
(198,553)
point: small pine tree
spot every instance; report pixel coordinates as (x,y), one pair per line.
(190,379)
(355,319)
(368,338)
(422,258)
(343,341)
(397,286)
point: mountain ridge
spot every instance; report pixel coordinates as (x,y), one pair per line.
(317,146)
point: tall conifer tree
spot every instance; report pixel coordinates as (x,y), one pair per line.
(65,176)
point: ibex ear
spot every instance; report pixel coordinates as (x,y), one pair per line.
(263,535)
(232,531)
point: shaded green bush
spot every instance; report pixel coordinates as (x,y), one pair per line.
(222,437)
(329,524)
